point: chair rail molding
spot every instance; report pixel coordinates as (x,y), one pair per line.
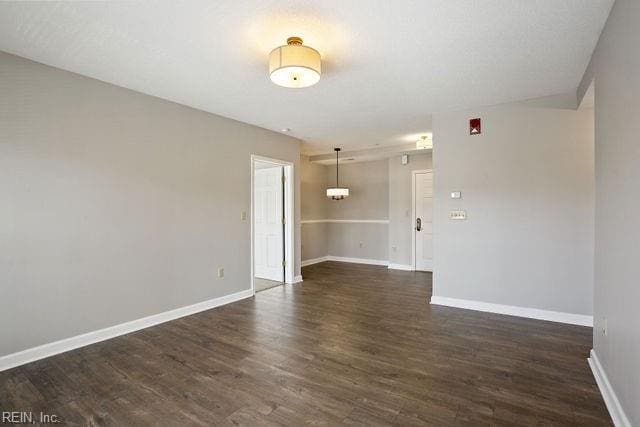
(345,221)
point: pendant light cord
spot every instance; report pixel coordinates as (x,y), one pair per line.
(337,182)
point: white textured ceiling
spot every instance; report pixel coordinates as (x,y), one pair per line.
(387,64)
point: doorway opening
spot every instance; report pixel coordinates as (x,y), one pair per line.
(271,223)
(422,208)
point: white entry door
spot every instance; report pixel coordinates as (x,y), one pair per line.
(423,226)
(268,223)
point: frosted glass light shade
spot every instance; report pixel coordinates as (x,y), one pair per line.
(337,193)
(294,65)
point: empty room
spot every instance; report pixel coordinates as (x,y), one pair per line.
(293,212)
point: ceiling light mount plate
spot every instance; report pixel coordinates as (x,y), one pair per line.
(294,40)
(424,143)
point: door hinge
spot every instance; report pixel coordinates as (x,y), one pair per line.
(284,221)
(284,179)
(284,263)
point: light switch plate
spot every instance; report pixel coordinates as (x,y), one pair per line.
(457,215)
(243,215)
(456,195)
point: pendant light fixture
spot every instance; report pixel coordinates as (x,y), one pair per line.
(294,65)
(337,193)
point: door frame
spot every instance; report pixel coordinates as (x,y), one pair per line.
(288,211)
(413,214)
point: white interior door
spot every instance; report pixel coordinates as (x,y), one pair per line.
(268,223)
(423,226)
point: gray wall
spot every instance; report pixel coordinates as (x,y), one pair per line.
(313,187)
(616,68)
(527,186)
(315,242)
(380,190)
(314,204)
(368,184)
(400,203)
(358,240)
(116,205)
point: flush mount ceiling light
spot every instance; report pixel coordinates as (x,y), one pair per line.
(424,143)
(337,193)
(294,65)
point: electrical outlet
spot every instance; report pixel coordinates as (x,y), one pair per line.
(221,272)
(243,215)
(361,245)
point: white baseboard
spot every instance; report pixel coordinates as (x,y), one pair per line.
(405,267)
(358,260)
(297,279)
(355,261)
(314,261)
(608,394)
(32,354)
(511,310)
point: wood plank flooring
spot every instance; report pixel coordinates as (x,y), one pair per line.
(352,344)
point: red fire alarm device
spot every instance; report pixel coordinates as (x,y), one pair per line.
(475,127)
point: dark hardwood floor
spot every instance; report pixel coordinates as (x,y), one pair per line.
(352,344)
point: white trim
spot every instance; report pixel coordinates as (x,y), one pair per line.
(345,259)
(346,221)
(405,267)
(358,260)
(428,266)
(370,261)
(614,406)
(32,354)
(512,310)
(289,229)
(314,261)
(413,214)
(296,279)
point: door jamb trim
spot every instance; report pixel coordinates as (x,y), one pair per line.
(289,212)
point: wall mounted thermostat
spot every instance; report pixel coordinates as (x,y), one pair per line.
(405,159)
